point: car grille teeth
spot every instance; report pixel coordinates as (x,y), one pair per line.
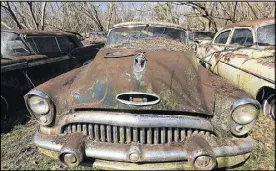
(126,135)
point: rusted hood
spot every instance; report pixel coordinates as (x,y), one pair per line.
(172,76)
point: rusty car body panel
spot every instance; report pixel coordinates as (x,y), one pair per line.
(250,68)
(141,105)
(22,72)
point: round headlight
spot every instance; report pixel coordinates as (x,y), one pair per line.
(245,114)
(38,105)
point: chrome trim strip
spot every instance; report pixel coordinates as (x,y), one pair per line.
(138,103)
(135,120)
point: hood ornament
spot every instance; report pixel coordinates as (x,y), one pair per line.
(139,63)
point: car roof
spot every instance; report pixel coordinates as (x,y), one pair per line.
(39,32)
(126,24)
(252,23)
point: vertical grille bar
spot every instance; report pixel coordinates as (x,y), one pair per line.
(115,134)
(84,129)
(183,134)
(170,134)
(90,131)
(189,133)
(74,128)
(201,133)
(109,133)
(97,133)
(102,133)
(135,135)
(79,127)
(149,136)
(163,135)
(128,135)
(142,135)
(69,129)
(156,135)
(195,132)
(176,134)
(122,135)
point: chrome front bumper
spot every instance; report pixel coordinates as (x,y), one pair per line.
(227,152)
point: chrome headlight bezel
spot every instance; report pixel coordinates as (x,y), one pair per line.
(45,118)
(242,127)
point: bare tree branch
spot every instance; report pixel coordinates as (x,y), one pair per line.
(43,9)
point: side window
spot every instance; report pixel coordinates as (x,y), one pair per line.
(222,37)
(242,37)
(66,44)
(46,44)
(31,42)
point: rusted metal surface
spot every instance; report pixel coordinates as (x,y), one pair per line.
(250,68)
(252,23)
(190,116)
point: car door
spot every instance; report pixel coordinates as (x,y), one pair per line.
(214,48)
(236,55)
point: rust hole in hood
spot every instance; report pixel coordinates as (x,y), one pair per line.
(138,99)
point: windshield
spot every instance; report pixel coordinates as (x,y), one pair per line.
(201,35)
(12,45)
(266,35)
(118,35)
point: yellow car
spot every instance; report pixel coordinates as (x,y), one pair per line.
(244,54)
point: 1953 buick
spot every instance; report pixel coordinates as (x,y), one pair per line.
(143,103)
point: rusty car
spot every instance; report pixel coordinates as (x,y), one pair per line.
(244,54)
(143,103)
(29,58)
(197,37)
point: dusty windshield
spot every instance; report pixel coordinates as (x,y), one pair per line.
(119,35)
(12,45)
(266,35)
(203,35)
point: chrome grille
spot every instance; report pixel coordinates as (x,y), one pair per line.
(126,135)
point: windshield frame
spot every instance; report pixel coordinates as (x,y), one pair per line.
(257,34)
(144,25)
(31,52)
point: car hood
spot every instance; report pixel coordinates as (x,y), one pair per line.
(172,76)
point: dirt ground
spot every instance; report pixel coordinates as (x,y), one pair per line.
(17,152)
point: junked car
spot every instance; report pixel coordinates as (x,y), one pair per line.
(244,54)
(97,37)
(199,37)
(144,103)
(29,58)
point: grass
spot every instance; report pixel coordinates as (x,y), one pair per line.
(263,156)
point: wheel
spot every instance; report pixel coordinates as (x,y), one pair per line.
(269,107)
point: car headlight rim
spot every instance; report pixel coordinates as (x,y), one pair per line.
(243,103)
(47,117)
(243,121)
